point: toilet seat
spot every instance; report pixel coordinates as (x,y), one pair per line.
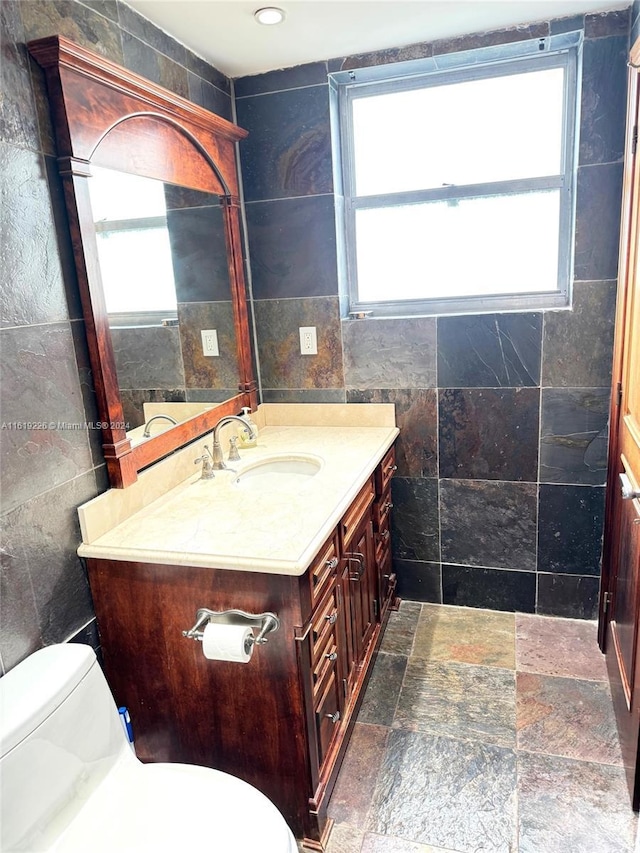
(153,808)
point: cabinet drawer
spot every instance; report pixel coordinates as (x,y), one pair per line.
(385,471)
(327,716)
(383,544)
(356,512)
(386,576)
(324,663)
(323,570)
(323,623)
(381,510)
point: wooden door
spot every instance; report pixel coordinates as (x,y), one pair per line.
(620,597)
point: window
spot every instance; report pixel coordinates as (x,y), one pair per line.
(459,183)
(134,250)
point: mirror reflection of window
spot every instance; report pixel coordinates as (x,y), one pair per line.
(130,217)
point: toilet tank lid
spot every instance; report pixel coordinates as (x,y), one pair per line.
(33,689)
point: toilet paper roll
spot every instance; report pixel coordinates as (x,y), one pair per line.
(227,642)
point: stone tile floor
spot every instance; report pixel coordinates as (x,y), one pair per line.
(484,731)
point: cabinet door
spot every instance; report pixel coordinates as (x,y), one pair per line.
(363,588)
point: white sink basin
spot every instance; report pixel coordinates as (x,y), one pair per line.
(278,472)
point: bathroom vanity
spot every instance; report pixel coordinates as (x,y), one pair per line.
(317,554)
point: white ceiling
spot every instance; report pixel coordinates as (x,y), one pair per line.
(225,33)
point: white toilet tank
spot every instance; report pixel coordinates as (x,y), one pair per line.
(60,735)
(69,782)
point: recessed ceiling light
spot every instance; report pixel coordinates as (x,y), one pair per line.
(269,15)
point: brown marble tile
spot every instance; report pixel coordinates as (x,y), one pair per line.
(40,383)
(417,420)
(34,292)
(387,844)
(293,247)
(466,635)
(18,123)
(352,795)
(208,371)
(566,363)
(566,717)
(288,151)
(281,365)
(458,700)
(343,839)
(555,646)
(405,353)
(573,807)
(82,25)
(381,697)
(401,627)
(148,62)
(148,357)
(448,793)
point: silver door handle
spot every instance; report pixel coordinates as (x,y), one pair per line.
(628,492)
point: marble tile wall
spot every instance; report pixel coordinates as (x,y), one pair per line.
(47,470)
(503,417)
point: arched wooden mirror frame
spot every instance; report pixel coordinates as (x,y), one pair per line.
(109,116)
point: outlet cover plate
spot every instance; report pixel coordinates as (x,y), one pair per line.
(210,342)
(308,340)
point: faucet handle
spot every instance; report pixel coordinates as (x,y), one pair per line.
(207,467)
(234,456)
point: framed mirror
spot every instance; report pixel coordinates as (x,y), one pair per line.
(151,189)
(165,277)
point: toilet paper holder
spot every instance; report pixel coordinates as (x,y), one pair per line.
(266,622)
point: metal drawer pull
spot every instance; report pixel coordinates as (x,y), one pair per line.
(332,656)
(385,534)
(361,570)
(392,468)
(332,563)
(388,505)
(332,617)
(628,492)
(334,717)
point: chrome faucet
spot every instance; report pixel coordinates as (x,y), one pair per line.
(207,464)
(147,426)
(218,460)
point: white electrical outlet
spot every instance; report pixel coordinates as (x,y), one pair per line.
(308,340)
(210,342)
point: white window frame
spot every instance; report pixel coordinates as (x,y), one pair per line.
(537,54)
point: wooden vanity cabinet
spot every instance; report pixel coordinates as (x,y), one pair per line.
(283,720)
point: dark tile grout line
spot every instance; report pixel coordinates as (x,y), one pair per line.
(492,667)
(521,751)
(375,787)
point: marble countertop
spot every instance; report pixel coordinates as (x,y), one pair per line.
(220,524)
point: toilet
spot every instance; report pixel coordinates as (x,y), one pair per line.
(70,782)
